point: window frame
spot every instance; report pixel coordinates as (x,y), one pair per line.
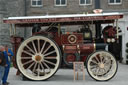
(114,2)
(60,3)
(85,3)
(36,3)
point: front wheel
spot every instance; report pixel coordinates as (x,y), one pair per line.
(102,66)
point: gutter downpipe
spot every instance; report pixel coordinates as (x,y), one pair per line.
(98,26)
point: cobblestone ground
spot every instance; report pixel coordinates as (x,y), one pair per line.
(65,77)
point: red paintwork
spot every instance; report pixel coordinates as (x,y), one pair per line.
(63,19)
(70,58)
(87,48)
(64,38)
(57,39)
(109,32)
(70,48)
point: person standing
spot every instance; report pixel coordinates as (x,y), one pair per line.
(2,63)
(8,54)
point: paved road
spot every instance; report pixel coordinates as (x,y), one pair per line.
(65,77)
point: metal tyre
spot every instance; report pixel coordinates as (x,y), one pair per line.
(38,58)
(102,65)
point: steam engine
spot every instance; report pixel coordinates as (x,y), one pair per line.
(75,46)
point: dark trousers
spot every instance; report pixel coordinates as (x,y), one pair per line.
(2,70)
(5,77)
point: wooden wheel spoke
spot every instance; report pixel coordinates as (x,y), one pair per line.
(30,49)
(38,70)
(101,71)
(52,57)
(42,67)
(27,62)
(107,62)
(34,67)
(27,53)
(94,62)
(97,71)
(50,53)
(94,66)
(103,60)
(34,46)
(43,47)
(24,58)
(38,45)
(47,49)
(49,62)
(107,66)
(104,70)
(101,57)
(31,65)
(96,59)
(47,66)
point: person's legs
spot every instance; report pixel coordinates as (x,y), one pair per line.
(1,73)
(5,77)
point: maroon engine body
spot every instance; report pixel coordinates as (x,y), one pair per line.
(73,46)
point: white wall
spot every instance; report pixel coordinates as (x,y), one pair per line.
(123,24)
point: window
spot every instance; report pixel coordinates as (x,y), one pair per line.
(115,1)
(85,2)
(36,3)
(60,2)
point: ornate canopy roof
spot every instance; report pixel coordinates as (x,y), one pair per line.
(64,19)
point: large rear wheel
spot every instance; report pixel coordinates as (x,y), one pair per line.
(102,66)
(38,58)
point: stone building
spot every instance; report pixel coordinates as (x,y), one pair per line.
(3,32)
(9,8)
(43,7)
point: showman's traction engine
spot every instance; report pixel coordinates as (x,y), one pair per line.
(51,47)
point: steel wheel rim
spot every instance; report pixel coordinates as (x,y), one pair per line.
(102,72)
(39,61)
